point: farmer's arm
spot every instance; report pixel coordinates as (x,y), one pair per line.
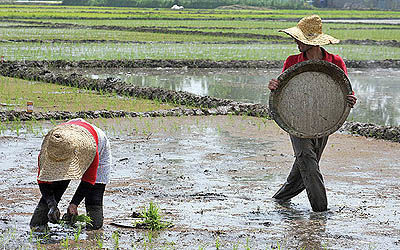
(80,193)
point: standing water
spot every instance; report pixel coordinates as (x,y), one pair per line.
(377,90)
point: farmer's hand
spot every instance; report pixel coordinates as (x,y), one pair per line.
(54,214)
(72,209)
(351,100)
(273,84)
(72,213)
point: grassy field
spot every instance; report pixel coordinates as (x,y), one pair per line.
(77,33)
(15,93)
(91,29)
(95,33)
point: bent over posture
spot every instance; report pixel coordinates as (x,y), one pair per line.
(305,173)
(72,150)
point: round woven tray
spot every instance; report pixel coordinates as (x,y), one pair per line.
(311,99)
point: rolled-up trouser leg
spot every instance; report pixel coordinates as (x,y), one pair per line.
(314,183)
(293,185)
(94,206)
(308,153)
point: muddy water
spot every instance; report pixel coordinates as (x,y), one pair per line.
(213,178)
(378,90)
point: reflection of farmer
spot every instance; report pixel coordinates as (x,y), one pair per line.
(305,173)
(72,150)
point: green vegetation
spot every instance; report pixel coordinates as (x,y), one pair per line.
(204,4)
(77,35)
(217,52)
(107,33)
(14,94)
(188,31)
(152,218)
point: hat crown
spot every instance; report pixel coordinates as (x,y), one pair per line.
(60,145)
(67,152)
(311,26)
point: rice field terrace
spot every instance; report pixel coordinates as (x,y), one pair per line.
(94,33)
(207,155)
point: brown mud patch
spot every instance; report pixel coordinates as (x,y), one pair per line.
(213,178)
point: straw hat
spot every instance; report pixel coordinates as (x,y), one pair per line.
(67,152)
(309,31)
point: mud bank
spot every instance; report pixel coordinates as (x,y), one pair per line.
(171,63)
(390,133)
(238,109)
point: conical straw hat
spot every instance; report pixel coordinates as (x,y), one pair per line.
(67,152)
(309,31)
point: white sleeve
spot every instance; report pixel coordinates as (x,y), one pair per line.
(105,158)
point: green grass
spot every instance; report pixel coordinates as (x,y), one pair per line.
(14,94)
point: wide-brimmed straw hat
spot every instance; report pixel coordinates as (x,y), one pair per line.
(67,152)
(309,31)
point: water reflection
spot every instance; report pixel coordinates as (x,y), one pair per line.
(378,90)
(305,229)
(379,96)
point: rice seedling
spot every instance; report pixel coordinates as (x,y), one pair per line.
(217,243)
(115,236)
(148,239)
(152,218)
(99,241)
(216,52)
(65,243)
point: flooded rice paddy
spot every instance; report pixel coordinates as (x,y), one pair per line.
(377,90)
(213,178)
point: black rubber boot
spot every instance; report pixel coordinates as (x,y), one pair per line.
(96,214)
(39,218)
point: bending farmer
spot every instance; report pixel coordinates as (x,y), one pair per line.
(305,173)
(73,150)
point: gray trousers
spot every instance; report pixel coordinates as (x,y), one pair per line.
(305,173)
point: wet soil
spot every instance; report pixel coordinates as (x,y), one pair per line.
(213,177)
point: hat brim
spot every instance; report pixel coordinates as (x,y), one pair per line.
(76,165)
(321,39)
(58,171)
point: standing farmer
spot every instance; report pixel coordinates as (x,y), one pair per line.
(305,173)
(72,150)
